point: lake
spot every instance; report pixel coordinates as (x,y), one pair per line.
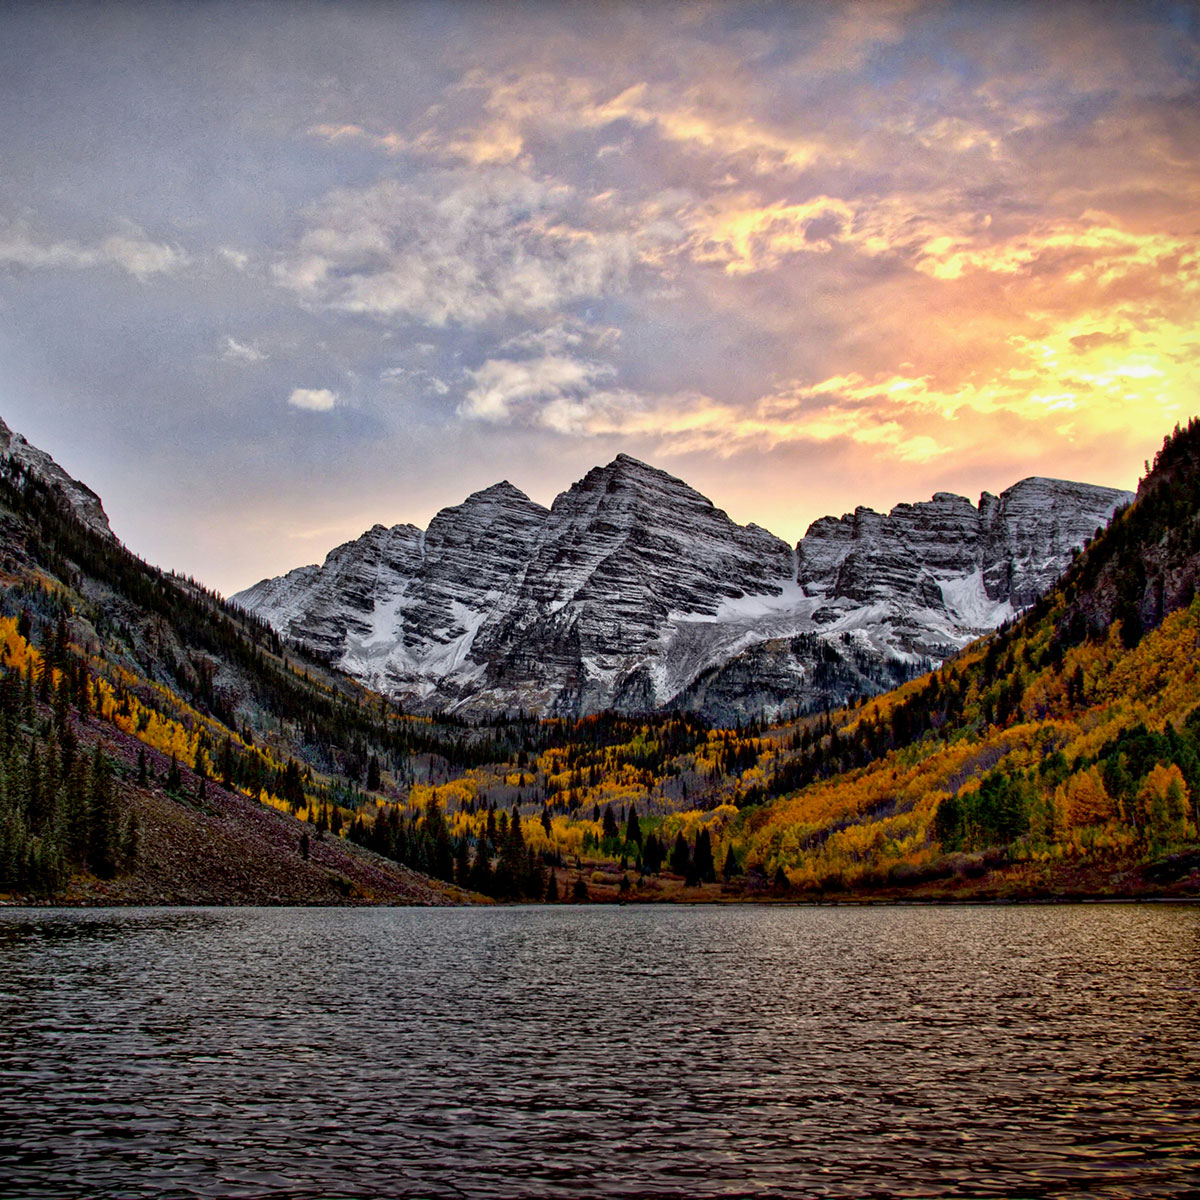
(566,1051)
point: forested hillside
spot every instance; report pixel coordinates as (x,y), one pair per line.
(1062,753)
(159,744)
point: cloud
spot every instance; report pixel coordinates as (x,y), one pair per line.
(742,236)
(421,380)
(390,142)
(461,248)
(562,336)
(1066,388)
(133,253)
(238,259)
(235,351)
(314,399)
(527,106)
(540,391)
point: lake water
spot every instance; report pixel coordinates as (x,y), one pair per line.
(568,1051)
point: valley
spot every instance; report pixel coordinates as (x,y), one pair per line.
(160,745)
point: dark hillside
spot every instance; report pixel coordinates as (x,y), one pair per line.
(1146,565)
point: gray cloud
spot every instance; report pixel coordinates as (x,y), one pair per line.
(131,252)
(462,248)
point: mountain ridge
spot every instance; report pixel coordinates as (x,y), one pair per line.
(83,502)
(633,586)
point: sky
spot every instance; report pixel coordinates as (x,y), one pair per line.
(272,273)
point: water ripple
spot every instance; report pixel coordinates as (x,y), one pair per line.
(1046,1052)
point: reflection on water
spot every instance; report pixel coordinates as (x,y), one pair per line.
(614,1052)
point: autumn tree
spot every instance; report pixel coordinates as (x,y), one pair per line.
(1163,800)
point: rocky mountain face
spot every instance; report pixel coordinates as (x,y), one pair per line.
(80,498)
(634,592)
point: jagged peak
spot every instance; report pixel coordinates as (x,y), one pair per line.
(84,502)
(1043,482)
(629,471)
(626,464)
(504,490)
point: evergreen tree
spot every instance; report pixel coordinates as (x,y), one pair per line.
(462,863)
(702,859)
(731,868)
(101,817)
(681,858)
(481,869)
(652,855)
(292,787)
(227,764)
(633,829)
(609,824)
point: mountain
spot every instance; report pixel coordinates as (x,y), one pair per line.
(80,498)
(897,592)
(157,745)
(634,592)
(1059,756)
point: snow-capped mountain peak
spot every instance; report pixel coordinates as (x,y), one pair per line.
(634,591)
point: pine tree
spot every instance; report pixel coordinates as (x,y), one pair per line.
(702,860)
(652,855)
(462,863)
(481,869)
(731,868)
(101,817)
(681,858)
(633,829)
(609,824)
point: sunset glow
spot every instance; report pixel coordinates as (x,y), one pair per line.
(296,276)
